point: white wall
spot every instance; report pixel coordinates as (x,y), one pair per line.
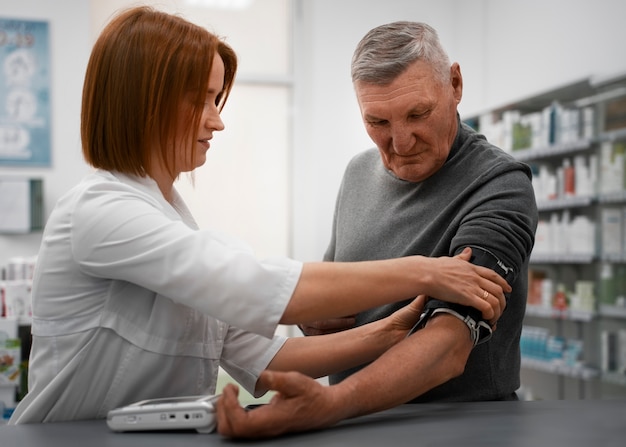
(70,44)
(510,49)
(507,49)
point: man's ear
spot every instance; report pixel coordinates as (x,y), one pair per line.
(456,80)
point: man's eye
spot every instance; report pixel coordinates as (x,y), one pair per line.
(377,123)
(417,116)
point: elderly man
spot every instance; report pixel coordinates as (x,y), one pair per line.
(432,186)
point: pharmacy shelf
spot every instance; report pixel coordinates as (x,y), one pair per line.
(612,311)
(614,378)
(565,203)
(612,197)
(555,150)
(558,314)
(601,120)
(613,135)
(558,367)
(561,258)
(613,258)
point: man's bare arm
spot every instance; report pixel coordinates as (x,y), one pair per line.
(415,365)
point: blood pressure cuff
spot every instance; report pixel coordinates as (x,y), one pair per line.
(480,330)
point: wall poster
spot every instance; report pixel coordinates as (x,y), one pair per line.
(24,93)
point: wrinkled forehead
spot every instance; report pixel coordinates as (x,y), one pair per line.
(413,88)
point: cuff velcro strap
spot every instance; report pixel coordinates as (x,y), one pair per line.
(480,331)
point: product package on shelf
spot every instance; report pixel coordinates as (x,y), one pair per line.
(17,300)
(611,221)
(613,351)
(16,290)
(565,236)
(621,352)
(10,359)
(537,344)
(612,159)
(613,284)
(555,300)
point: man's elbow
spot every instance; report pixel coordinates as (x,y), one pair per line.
(457,366)
(452,363)
(456,345)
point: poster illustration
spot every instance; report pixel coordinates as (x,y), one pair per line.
(24,93)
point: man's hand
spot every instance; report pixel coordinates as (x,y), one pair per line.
(300,404)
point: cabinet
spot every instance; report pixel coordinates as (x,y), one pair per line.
(574,139)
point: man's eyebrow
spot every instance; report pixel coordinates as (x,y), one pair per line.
(369,116)
(413,111)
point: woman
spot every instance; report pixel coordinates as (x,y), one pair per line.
(132,301)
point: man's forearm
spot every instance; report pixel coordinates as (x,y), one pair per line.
(426,359)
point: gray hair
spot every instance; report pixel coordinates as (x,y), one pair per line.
(388,50)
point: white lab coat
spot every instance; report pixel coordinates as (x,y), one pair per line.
(132,301)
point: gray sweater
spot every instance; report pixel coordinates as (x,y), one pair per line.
(481,196)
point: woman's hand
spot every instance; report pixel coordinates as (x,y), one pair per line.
(402,321)
(456,280)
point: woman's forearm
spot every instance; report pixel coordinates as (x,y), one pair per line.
(328,354)
(335,289)
(327,290)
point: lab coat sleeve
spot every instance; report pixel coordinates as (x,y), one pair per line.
(124,234)
(246,355)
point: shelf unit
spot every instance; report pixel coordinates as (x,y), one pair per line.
(577,129)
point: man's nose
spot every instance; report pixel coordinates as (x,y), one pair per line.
(402,138)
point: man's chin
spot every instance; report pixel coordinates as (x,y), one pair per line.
(409,174)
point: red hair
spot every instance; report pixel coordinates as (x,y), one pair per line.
(142,67)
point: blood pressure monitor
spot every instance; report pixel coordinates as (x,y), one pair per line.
(174,413)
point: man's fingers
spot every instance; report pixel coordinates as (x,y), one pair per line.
(227,407)
(286,383)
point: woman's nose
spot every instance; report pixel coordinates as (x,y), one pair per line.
(214,121)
